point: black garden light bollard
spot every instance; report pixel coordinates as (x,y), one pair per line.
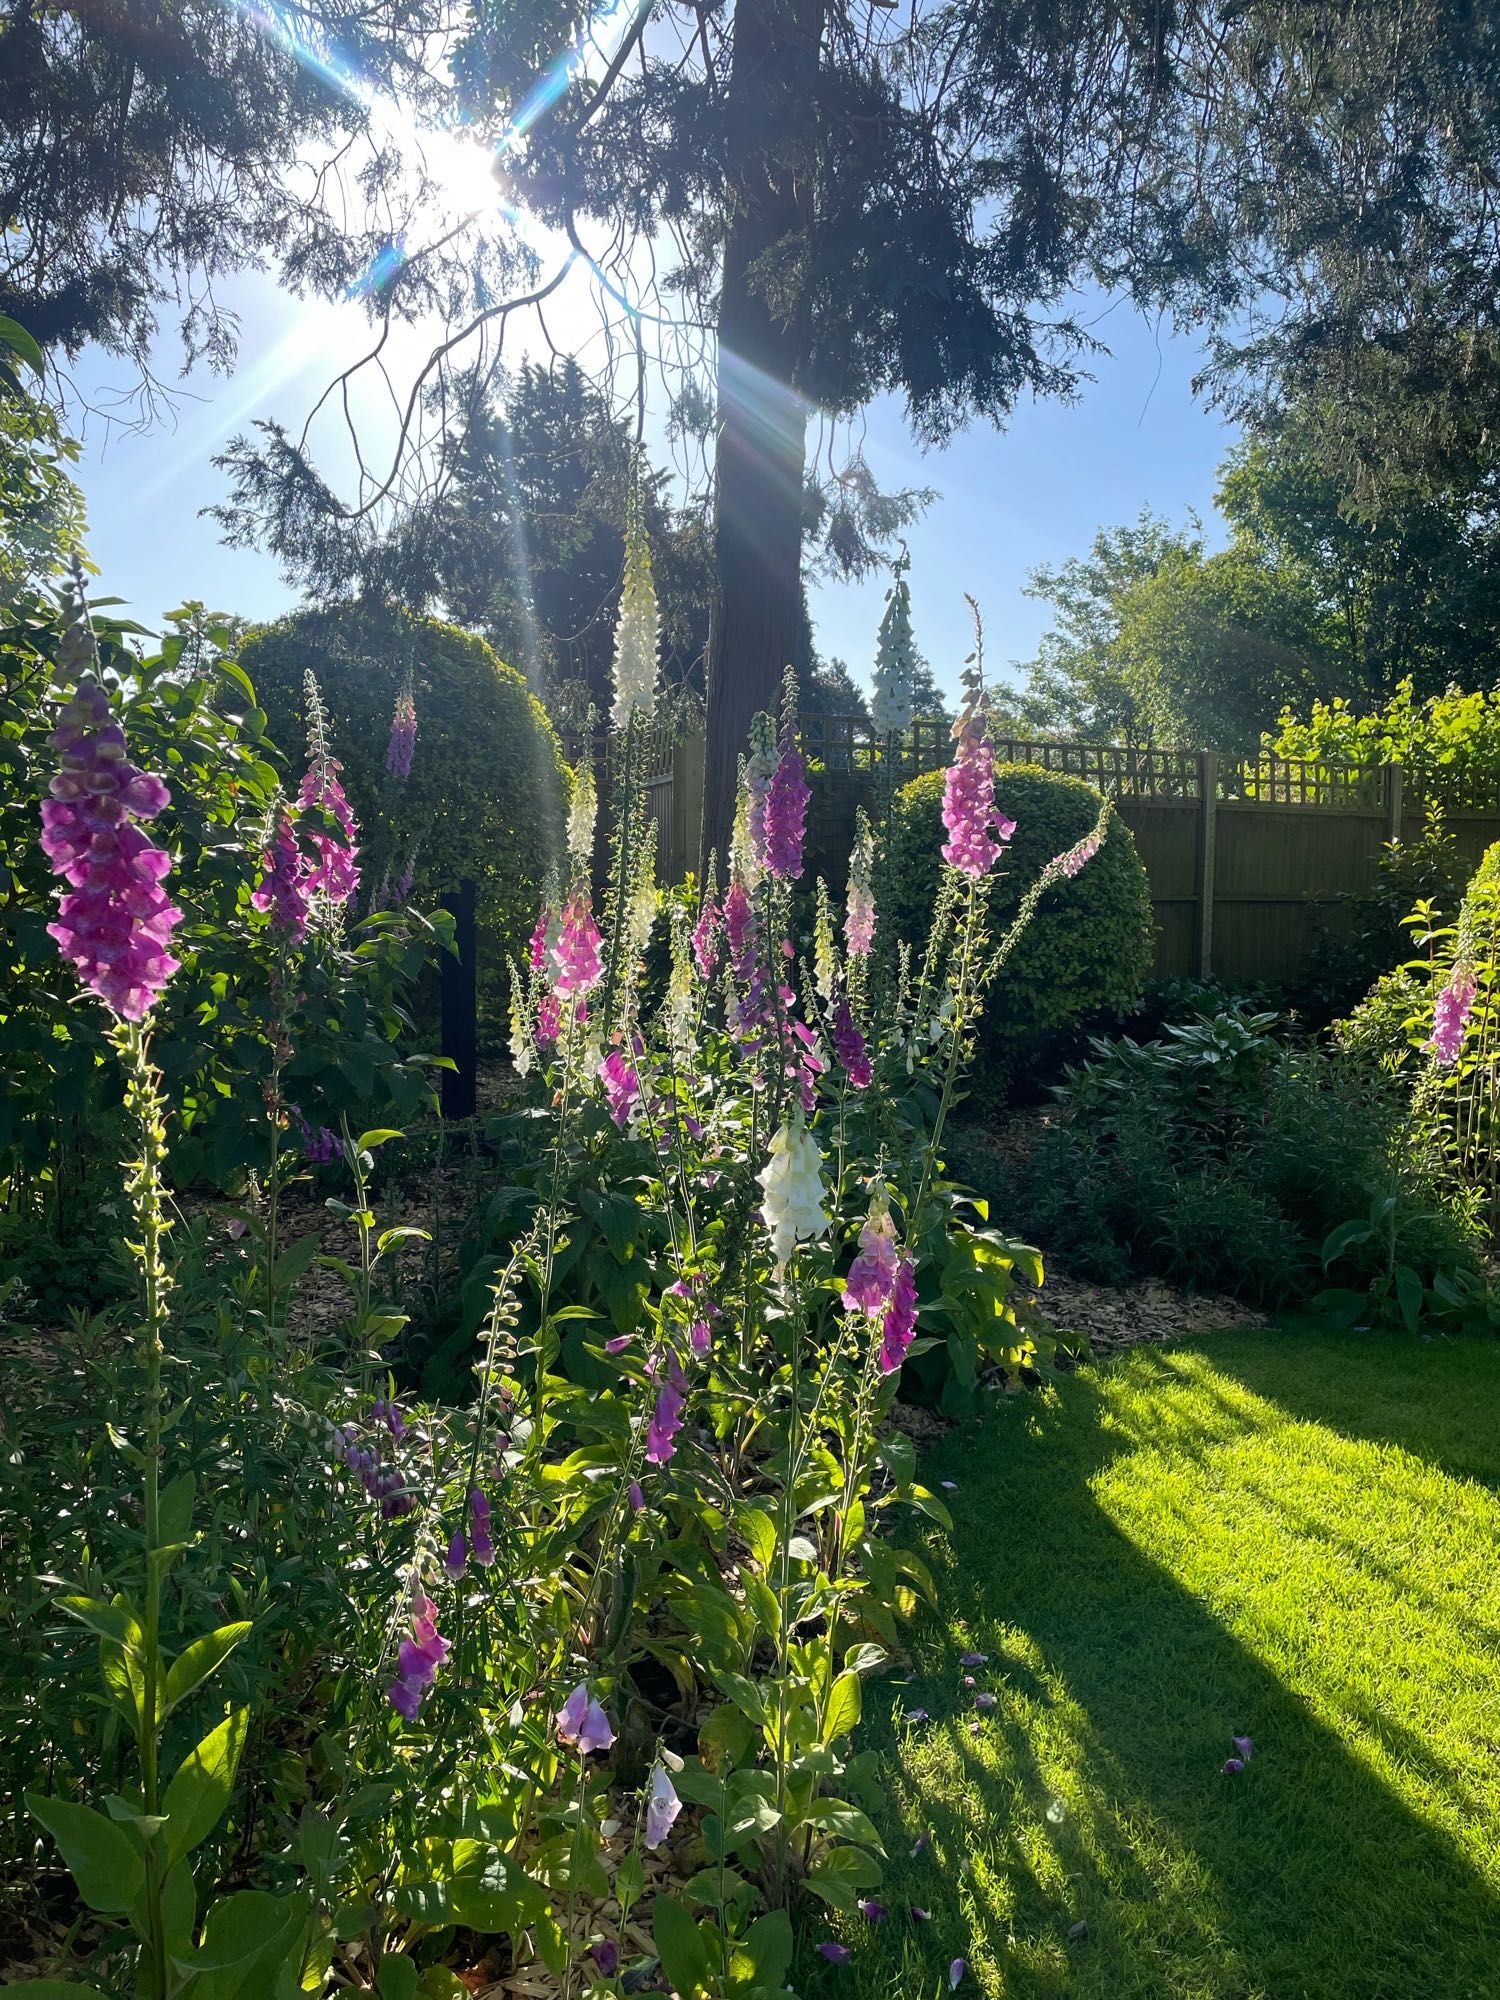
(460,1008)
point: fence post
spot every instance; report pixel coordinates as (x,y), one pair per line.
(687,803)
(1208,814)
(460,1008)
(1395,786)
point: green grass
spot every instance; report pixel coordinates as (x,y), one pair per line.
(1290,1535)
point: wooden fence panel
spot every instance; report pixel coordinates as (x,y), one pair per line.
(1250,859)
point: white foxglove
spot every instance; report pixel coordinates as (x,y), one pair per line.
(895,662)
(636,634)
(793,1182)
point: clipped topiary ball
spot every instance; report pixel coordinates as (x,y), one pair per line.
(485,795)
(1088,948)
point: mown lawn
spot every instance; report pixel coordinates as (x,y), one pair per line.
(1289,1535)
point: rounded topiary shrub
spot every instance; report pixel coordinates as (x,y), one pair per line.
(1089,947)
(485,796)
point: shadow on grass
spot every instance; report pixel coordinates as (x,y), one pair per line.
(1094,1793)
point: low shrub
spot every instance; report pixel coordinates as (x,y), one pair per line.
(1232,1156)
(485,793)
(1088,949)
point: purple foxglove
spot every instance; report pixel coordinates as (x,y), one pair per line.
(872,1275)
(786,811)
(836,1954)
(900,1325)
(849,1048)
(403,734)
(576,962)
(977,829)
(116,921)
(1450,1015)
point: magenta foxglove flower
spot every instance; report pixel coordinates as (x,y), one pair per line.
(974,1659)
(986,1701)
(956,1973)
(606,1955)
(836,1954)
(872,1275)
(739,921)
(859,910)
(419,1657)
(786,811)
(541,938)
(872,1911)
(900,1324)
(1245,1745)
(622,1086)
(636,1497)
(618,1342)
(977,829)
(662,1807)
(456,1561)
(582,1723)
(666,1418)
(1231,1765)
(115,924)
(403,735)
(320,1146)
(706,938)
(548,1022)
(849,1047)
(1076,858)
(919,1915)
(284,891)
(335,873)
(1450,1015)
(576,963)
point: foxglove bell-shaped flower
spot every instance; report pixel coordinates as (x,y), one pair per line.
(900,1325)
(849,1048)
(116,922)
(421,1653)
(403,741)
(977,829)
(576,960)
(636,632)
(335,872)
(859,910)
(481,1547)
(662,1807)
(872,1275)
(786,811)
(666,1418)
(622,1086)
(284,891)
(1450,1015)
(895,660)
(582,1723)
(793,1182)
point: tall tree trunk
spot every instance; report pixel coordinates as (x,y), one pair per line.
(757,606)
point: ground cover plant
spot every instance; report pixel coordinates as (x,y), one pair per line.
(1222,1722)
(387,1685)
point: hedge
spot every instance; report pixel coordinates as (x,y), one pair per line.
(486,792)
(1089,947)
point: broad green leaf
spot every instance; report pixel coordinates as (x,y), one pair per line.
(105,1862)
(296,1259)
(844,1705)
(380,1135)
(840,1820)
(679,1946)
(247,1937)
(759,1531)
(196,1662)
(397,1979)
(202,1784)
(842,1874)
(764,1955)
(14,336)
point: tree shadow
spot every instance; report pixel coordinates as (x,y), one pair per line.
(1094,1793)
(1432,1396)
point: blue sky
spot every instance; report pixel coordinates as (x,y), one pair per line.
(1035,493)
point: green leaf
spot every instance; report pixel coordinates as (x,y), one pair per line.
(196,1662)
(679,1946)
(379,1136)
(295,1260)
(106,1863)
(763,1956)
(249,1934)
(844,1705)
(842,1874)
(759,1531)
(175,1510)
(113,1621)
(841,1821)
(397,1979)
(50,1989)
(1409,1295)
(201,1787)
(1347,1236)
(14,336)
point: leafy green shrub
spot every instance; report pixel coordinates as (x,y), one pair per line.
(487,784)
(1449,745)
(1089,947)
(1225,1156)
